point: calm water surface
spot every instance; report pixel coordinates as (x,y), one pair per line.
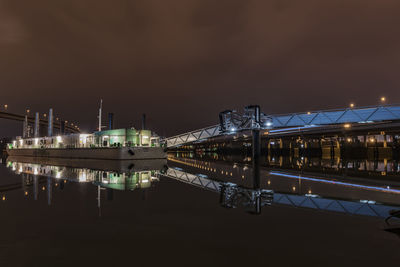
(198,211)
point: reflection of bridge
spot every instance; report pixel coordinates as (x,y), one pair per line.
(295,123)
(368,208)
(42,122)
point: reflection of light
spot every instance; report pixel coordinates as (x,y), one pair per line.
(59,139)
(36,141)
(35,171)
(145,180)
(233,129)
(43,188)
(336,182)
(347,125)
(58,175)
(3,198)
(26,193)
(368,201)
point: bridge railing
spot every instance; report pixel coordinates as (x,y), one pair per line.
(193,136)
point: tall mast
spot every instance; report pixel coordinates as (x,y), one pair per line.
(101,106)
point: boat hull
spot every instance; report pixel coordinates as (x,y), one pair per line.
(113,153)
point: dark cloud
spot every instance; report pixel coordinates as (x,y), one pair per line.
(182,62)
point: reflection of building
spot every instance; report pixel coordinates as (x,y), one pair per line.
(110,175)
(126,181)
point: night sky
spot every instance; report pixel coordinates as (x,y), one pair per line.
(183,61)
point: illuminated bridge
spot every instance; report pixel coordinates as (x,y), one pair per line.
(362,119)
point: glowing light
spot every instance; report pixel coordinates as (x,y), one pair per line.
(233,129)
(26,193)
(59,139)
(82,177)
(351,105)
(383,99)
(308,113)
(349,140)
(36,141)
(3,198)
(347,125)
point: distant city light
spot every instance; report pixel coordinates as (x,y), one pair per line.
(351,105)
(347,125)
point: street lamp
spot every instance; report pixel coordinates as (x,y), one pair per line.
(5,106)
(383,100)
(351,105)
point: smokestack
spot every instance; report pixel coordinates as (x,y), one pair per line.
(50,123)
(36,134)
(25,127)
(110,121)
(100,111)
(144,121)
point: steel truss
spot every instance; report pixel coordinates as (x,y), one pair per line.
(231,121)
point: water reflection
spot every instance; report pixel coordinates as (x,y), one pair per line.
(44,174)
(233,181)
(294,187)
